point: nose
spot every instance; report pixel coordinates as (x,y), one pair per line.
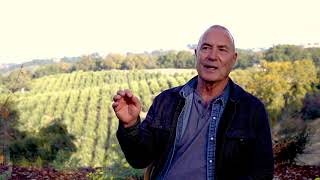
(213,54)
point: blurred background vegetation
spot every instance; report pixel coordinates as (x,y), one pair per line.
(59,113)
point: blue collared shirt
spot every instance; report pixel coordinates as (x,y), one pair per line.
(206,138)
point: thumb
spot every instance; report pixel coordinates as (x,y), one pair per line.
(135,101)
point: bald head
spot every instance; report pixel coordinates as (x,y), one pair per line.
(220,28)
(215,54)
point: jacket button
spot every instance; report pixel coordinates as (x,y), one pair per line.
(210,161)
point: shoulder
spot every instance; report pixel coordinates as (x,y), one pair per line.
(167,98)
(243,96)
(169,93)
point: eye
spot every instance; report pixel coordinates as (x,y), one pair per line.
(205,48)
(222,49)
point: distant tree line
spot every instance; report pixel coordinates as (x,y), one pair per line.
(156,59)
(175,59)
(94,62)
(247,58)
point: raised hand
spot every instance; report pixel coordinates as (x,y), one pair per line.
(127,107)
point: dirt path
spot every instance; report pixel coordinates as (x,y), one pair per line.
(311,154)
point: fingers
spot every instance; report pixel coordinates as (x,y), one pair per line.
(116,98)
(125,98)
(135,100)
(123,93)
(128,93)
(115,106)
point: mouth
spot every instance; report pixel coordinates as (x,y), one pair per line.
(210,67)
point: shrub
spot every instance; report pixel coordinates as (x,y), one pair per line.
(45,147)
(290,139)
(117,172)
(311,106)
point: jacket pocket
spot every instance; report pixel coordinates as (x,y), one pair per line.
(238,149)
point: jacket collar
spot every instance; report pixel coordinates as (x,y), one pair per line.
(236,92)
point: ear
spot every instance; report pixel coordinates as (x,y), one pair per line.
(235,58)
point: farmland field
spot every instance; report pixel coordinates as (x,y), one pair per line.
(82,100)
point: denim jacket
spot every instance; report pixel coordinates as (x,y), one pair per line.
(243,141)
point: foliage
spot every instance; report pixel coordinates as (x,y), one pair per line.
(292,53)
(311,106)
(247,58)
(18,80)
(294,171)
(8,122)
(130,61)
(44,147)
(82,100)
(285,53)
(120,169)
(20,172)
(290,139)
(52,69)
(280,85)
(117,173)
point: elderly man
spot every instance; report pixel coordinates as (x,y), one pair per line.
(209,128)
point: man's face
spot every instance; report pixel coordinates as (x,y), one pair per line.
(215,55)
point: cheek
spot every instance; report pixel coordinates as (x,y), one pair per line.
(228,67)
(198,62)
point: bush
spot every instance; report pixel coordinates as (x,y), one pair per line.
(120,169)
(311,106)
(117,172)
(48,146)
(290,139)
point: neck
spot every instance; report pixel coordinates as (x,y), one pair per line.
(210,90)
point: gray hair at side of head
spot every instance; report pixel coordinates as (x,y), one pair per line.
(218,27)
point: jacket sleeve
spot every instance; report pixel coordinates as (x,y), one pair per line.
(263,166)
(137,141)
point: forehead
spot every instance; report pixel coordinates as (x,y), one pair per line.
(216,36)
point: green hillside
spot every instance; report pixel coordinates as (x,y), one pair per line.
(82,100)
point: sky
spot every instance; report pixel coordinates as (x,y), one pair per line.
(40,29)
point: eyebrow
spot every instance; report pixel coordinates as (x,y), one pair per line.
(223,46)
(206,44)
(219,46)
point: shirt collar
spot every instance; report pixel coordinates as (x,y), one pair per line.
(191,85)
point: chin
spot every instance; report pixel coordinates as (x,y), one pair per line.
(211,78)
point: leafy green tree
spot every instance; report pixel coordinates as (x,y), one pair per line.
(303,76)
(280,85)
(247,58)
(314,54)
(18,80)
(113,61)
(285,53)
(90,62)
(311,106)
(47,70)
(167,59)
(185,59)
(45,145)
